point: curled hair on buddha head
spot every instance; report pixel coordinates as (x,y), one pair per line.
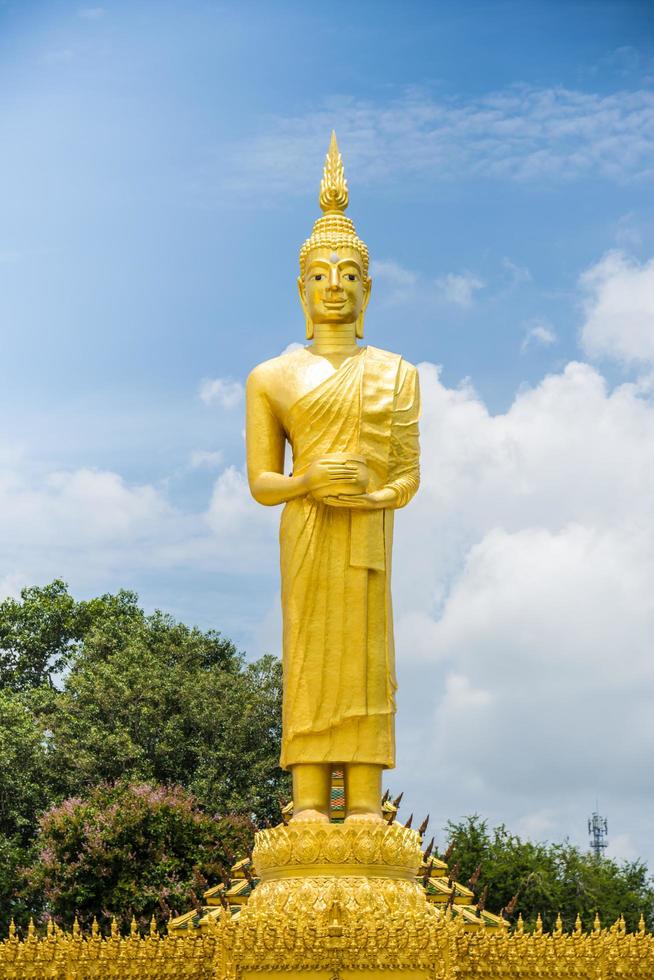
(334,229)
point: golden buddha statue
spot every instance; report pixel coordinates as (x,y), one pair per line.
(350,414)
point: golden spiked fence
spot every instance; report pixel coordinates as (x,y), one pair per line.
(507,954)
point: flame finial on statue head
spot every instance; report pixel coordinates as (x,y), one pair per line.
(334,230)
(333,186)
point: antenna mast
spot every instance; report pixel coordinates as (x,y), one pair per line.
(598,828)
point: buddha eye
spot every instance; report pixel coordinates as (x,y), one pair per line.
(351,277)
(318,277)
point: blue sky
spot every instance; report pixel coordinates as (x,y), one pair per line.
(159,171)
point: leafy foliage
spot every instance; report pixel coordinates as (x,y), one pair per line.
(97,692)
(24,770)
(169,704)
(36,635)
(130,849)
(41,633)
(24,791)
(117,693)
(549,878)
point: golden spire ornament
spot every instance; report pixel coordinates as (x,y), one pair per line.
(333,186)
(334,229)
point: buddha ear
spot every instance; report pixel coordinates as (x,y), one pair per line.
(366,297)
(303,301)
(366,293)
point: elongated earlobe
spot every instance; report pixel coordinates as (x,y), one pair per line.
(307,318)
(358,327)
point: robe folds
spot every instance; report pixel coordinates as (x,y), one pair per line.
(338,650)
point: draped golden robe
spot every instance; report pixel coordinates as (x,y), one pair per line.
(338,650)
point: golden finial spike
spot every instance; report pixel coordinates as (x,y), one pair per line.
(333,229)
(333,186)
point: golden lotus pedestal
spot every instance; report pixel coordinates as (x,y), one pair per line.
(333,902)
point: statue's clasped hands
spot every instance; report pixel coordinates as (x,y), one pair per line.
(375,500)
(340,480)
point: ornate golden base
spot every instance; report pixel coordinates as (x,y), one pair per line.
(334,900)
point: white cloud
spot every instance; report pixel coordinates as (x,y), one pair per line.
(520,133)
(235,529)
(622,847)
(91,13)
(519,273)
(619,309)
(460,288)
(10,585)
(538,332)
(206,459)
(462,697)
(396,283)
(58,56)
(536,825)
(399,286)
(90,525)
(624,61)
(230,500)
(524,603)
(553,605)
(222,391)
(73,508)
(627,232)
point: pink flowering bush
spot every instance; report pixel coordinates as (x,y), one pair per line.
(131,849)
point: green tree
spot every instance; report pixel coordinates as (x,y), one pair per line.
(549,879)
(95,692)
(130,849)
(40,633)
(162,702)
(120,693)
(36,635)
(24,792)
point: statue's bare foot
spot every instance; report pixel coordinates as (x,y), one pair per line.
(364,818)
(309,816)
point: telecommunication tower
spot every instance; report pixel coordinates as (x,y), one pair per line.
(598,828)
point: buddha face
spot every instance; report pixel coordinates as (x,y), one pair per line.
(334,289)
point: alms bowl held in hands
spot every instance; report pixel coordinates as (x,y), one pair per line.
(356,484)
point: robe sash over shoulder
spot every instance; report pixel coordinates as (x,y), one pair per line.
(338,651)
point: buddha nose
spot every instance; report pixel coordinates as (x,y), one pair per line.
(334,282)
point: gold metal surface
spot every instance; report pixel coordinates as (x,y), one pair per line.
(337,850)
(350,415)
(225,951)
